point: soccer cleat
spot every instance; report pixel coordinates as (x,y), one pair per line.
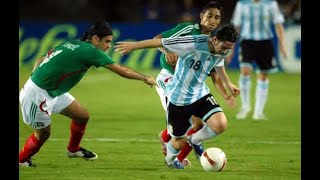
(176,164)
(242,114)
(259,116)
(186,162)
(198,149)
(88,155)
(163,144)
(27,163)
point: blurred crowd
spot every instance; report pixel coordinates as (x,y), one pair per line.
(167,11)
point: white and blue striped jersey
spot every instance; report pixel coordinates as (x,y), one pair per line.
(193,67)
(255,19)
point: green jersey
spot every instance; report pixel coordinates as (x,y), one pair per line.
(182,29)
(65,66)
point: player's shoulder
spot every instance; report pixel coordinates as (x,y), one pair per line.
(190,24)
(201,38)
(83,45)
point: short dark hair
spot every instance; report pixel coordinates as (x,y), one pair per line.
(213,4)
(227,33)
(101,28)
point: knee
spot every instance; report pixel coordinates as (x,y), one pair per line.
(218,125)
(246,71)
(83,118)
(43,135)
(223,125)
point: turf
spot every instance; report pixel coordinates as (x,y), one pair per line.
(126,117)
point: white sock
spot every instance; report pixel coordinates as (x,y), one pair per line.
(172,153)
(203,134)
(261,96)
(245,87)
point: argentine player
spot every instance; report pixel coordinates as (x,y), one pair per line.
(188,93)
(255,18)
(210,18)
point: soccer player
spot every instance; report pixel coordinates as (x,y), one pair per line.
(254,19)
(210,18)
(188,93)
(53,75)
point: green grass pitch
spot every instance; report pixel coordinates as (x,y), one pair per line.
(126,117)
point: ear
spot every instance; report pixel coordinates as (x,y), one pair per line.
(214,38)
(201,15)
(95,38)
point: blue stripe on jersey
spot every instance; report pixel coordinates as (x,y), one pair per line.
(261,22)
(251,20)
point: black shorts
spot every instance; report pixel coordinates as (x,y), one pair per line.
(179,116)
(262,52)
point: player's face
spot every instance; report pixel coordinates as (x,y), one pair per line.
(210,19)
(103,43)
(221,47)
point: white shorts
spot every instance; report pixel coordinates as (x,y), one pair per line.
(163,78)
(37,105)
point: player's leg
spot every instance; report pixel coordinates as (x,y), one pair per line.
(209,111)
(36,107)
(215,125)
(68,106)
(178,125)
(265,64)
(163,78)
(197,125)
(261,96)
(247,50)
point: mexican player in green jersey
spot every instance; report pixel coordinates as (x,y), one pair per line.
(54,74)
(210,18)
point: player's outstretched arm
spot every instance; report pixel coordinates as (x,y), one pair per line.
(130,74)
(124,47)
(171,57)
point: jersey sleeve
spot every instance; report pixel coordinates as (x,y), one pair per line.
(180,29)
(220,63)
(179,45)
(236,17)
(99,58)
(277,16)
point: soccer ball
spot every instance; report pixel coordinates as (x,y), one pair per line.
(213,159)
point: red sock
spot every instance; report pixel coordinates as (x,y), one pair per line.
(165,136)
(77,131)
(184,152)
(187,149)
(191,131)
(31,147)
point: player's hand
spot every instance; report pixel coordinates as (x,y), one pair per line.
(235,91)
(124,47)
(171,58)
(283,51)
(150,81)
(231,101)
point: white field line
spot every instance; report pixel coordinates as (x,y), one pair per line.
(156,140)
